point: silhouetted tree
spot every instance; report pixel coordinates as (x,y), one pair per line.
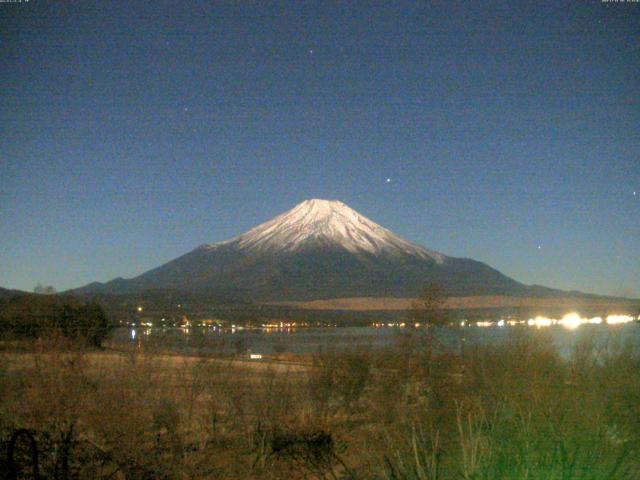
(429,308)
(44,289)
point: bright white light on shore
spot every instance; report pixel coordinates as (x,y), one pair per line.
(571,321)
(139,309)
(133,334)
(501,323)
(616,319)
(540,322)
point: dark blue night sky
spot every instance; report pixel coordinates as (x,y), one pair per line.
(132,132)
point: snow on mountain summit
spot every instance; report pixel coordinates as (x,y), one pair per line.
(330,223)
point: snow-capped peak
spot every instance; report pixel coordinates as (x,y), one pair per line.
(329,222)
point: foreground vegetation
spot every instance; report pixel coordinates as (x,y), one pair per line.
(513,411)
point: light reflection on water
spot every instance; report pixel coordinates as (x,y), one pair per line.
(312,340)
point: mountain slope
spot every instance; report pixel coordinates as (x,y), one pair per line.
(318,249)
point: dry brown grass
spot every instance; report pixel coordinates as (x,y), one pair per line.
(471,302)
(512,411)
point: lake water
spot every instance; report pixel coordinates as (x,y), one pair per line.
(313,340)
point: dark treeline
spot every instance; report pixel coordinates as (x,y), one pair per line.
(36,316)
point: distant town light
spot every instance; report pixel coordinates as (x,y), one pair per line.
(540,322)
(616,319)
(571,321)
(139,309)
(255,356)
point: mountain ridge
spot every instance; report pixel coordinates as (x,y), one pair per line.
(318,249)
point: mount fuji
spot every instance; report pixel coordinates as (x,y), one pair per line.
(319,249)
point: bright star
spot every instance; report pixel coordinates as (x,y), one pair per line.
(389,181)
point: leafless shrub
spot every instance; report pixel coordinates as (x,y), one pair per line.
(312,451)
(342,376)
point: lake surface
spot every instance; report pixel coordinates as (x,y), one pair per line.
(313,340)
